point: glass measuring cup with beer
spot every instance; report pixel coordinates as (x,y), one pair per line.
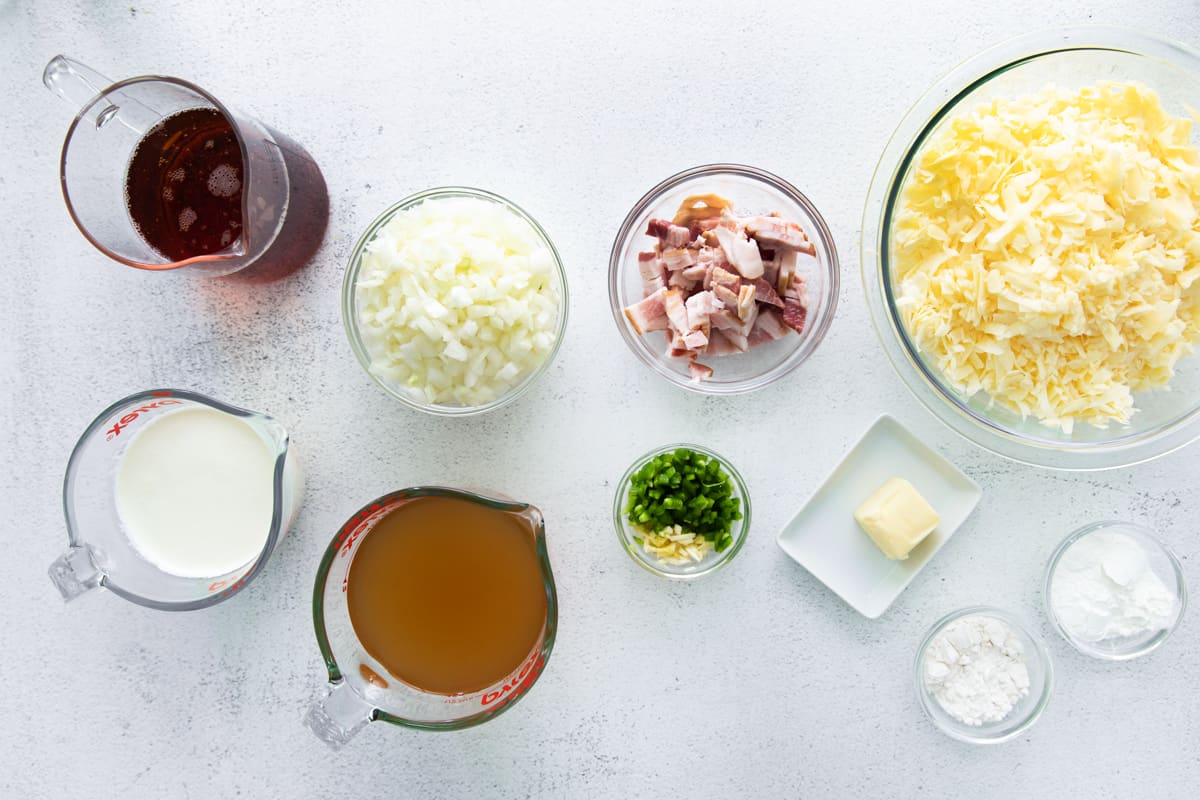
(158,174)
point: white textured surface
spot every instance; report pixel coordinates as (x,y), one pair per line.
(755,682)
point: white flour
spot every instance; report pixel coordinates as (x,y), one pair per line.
(1104,588)
(975,669)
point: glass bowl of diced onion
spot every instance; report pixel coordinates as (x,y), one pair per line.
(679,564)
(457,312)
(1072,61)
(751,191)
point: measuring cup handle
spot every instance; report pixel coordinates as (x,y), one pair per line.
(338,716)
(75,573)
(72,81)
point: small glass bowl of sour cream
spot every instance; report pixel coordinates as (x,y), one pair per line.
(1114,591)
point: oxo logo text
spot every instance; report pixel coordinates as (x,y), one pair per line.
(124,421)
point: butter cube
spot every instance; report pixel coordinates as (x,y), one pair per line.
(896,518)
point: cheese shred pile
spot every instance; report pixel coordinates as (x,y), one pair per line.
(1047,251)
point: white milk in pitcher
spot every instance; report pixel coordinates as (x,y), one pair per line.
(195,492)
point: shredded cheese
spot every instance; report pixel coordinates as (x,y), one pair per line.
(1047,251)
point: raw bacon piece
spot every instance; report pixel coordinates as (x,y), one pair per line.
(679,281)
(667,232)
(794,314)
(719,345)
(700,372)
(697,272)
(787,268)
(747,322)
(765,293)
(653,272)
(728,296)
(679,258)
(797,288)
(700,306)
(795,303)
(745,300)
(724,320)
(675,310)
(650,314)
(701,225)
(700,207)
(738,340)
(676,347)
(695,340)
(767,328)
(770,266)
(722,277)
(711,259)
(742,253)
(779,232)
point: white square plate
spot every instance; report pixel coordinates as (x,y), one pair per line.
(824,538)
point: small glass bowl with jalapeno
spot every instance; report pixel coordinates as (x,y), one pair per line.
(681,511)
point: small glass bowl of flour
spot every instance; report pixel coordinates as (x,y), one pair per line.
(983,675)
(1114,591)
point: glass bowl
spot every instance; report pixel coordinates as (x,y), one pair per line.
(1159,558)
(1069,58)
(1028,708)
(752,191)
(350,300)
(712,560)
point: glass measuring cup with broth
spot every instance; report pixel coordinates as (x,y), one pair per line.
(434,608)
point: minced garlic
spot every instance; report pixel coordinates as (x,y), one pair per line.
(675,546)
(1047,251)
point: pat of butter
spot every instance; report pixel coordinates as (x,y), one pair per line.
(896,518)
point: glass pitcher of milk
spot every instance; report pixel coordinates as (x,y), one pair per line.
(175,501)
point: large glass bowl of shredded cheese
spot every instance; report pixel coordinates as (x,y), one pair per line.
(1031,248)
(455,301)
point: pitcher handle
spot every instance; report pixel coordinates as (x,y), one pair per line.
(75,573)
(78,84)
(338,716)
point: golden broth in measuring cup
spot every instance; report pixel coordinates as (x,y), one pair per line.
(434,609)
(447,594)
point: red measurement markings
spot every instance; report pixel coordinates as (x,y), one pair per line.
(238,584)
(353,530)
(518,685)
(124,421)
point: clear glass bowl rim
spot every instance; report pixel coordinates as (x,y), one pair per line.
(350,318)
(805,345)
(622,527)
(1095,527)
(960,732)
(903,145)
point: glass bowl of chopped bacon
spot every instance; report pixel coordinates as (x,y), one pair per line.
(723,279)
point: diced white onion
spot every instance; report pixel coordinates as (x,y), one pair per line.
(458,301)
